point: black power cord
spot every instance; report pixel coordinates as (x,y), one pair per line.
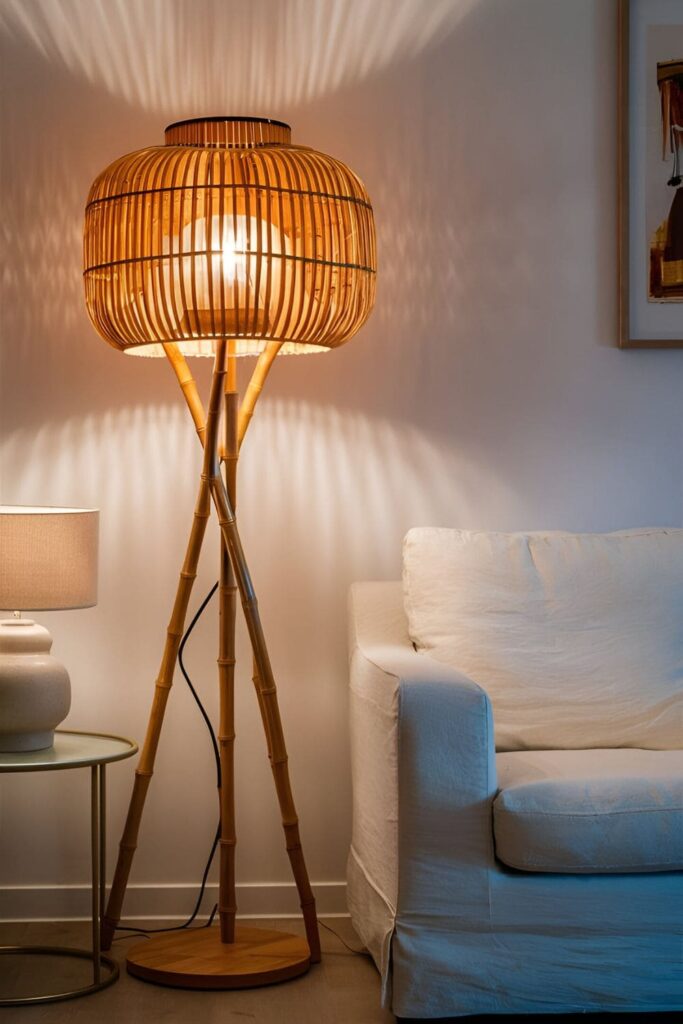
(351,950)
(214,743)
(202,888)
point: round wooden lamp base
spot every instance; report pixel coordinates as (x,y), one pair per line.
(196,958)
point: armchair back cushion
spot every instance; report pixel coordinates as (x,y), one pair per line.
(577,638)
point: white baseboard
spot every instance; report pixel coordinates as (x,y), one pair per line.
(169,902)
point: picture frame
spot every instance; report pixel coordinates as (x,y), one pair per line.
(650,32)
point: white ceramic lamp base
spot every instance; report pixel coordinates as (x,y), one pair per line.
(35,692)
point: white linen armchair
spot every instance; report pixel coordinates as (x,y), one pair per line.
(454,930)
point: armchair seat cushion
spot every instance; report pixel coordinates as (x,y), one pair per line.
(590,811)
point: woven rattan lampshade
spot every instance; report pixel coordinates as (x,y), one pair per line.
(228,231)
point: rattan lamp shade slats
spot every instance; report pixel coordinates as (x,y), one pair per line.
(221,237)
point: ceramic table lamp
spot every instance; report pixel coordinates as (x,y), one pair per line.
(48,560)
(227,241)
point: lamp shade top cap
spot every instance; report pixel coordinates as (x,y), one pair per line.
(228,132)
(233,118)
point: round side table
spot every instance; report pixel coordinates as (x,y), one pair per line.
(77,750)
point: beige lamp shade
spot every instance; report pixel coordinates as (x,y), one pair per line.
(48,557)
(229,230)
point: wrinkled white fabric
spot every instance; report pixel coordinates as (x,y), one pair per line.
(452,930)
(590,811)
(577,638)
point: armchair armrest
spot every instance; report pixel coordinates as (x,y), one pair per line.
(423,766)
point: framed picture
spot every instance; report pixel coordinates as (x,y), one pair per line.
(650,173)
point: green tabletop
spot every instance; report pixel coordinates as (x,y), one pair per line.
(70,750)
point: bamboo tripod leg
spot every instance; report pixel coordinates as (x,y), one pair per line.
(251,397)
(279,763)
(267,688)
(227,903)
(145,769)
(269,707)
(271,714)
(266,695)
(254,388)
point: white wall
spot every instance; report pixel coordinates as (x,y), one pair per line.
(486,390)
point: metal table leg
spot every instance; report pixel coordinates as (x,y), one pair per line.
(98,862)
(103,840)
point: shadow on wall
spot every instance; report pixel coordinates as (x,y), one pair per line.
(318,470)
(163,57)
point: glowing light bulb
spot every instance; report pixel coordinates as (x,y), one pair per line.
(226,275)
(232,266)
(234,248)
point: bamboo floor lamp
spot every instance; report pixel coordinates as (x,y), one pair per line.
(226,241)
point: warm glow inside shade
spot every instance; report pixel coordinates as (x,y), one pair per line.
(48,557)
(228,231)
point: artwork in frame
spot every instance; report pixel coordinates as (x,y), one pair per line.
(651,173)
